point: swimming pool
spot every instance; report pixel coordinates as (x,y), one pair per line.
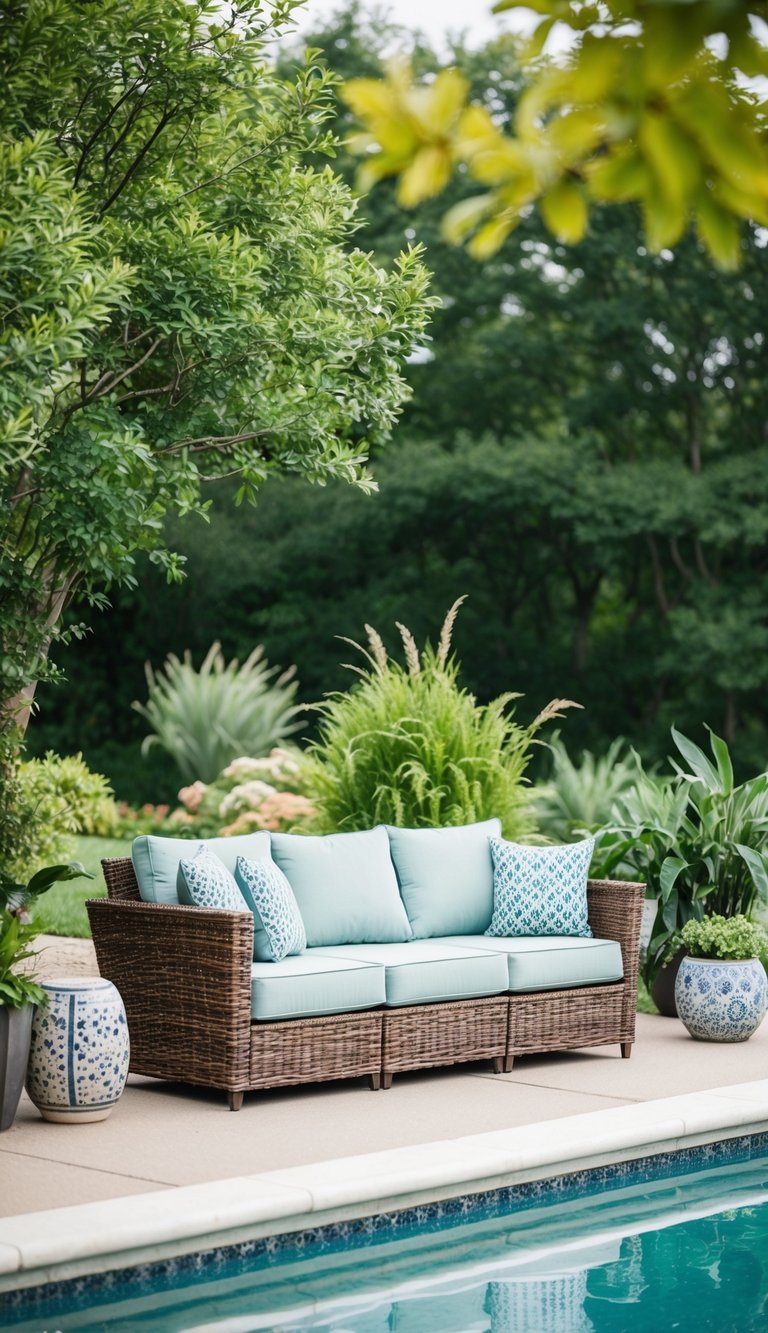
(678,1241)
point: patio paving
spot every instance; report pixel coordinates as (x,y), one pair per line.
(163,1135)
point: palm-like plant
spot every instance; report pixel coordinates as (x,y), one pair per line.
(204,719)
(407,745)
(700,842)
(580,796)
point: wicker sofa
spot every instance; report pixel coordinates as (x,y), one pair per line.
(188,980)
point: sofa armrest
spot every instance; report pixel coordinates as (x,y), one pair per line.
(185,977)
(615,913)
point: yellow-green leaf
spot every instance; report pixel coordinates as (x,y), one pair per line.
(565,211)
(492,236)
(425,176)
(720,233)
(460,220)
(671,155)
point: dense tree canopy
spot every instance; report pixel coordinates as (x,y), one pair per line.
(584,454)
(180,295)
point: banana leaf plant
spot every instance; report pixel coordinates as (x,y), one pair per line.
(698,840)
(18,931)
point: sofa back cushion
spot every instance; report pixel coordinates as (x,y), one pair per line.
(345,885)
(540,890)
(446,877)
(157,860)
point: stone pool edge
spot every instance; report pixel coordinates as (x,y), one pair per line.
(64,1243)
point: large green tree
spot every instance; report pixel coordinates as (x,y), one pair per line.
(181,298)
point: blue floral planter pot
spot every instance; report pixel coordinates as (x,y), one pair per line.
(721,1000)
(78,1059)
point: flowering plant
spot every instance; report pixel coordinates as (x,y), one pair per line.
(17,930)
(729,937)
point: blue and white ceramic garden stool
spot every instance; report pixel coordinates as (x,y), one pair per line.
(78,1059)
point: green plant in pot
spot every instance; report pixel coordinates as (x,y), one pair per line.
(698,840)
(721,989)
(19,993)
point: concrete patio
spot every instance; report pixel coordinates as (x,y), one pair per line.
(163,1135)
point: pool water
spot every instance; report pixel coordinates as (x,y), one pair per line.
(671,1244)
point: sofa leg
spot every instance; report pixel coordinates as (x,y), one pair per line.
(235,1100)
(498,1064)
(386,1078)
(509,1061)
(375,1080)
(626,1049)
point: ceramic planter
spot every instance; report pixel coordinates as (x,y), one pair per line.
(721,999)
(78,1059)
(15,1030)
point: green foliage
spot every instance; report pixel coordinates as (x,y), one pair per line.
(641,108)
(584,453)
(700,843)
(62,910)
(406,745)
(180,298)
(18,931)
(59,797)
(579,796)
(716,936)
(206,718)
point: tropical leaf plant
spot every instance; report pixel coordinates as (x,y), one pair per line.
(699,843)
(580,795)
(18,931)
(407,745)
(204,719)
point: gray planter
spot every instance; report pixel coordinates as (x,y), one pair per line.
(15,1032)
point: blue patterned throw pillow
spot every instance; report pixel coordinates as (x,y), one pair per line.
(206,882)
(279,929)
(540,890)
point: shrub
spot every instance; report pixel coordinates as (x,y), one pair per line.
(582,795)
(700,843)
(733,937)
(406,745)
(61,797)
(205,718)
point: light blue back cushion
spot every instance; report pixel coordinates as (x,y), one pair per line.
(345,885)
(446,877)
(540,890)
(206,882)
(278,928)
(156,860)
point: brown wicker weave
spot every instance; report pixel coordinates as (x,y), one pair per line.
(421,1035)
(562,1020)
(185,976)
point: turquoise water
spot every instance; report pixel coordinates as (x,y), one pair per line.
(611,1254)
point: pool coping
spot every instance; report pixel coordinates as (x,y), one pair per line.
(63,1243)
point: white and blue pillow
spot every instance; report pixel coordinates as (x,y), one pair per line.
(278,927)
(540,890)
(204,881)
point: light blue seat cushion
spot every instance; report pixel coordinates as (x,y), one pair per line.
(310,984)
(278,930)
(551,962)
(424,971)
(204,881)
(156,860)
(445,877)
(540,890)
(345,885)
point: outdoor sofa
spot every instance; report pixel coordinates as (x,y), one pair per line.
(398,975)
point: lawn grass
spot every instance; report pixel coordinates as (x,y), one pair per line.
(61,911)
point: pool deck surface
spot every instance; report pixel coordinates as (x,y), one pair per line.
(294,1152)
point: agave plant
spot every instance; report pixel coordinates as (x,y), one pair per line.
(580,796)
(407,745)
(700,843)
(204,719)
